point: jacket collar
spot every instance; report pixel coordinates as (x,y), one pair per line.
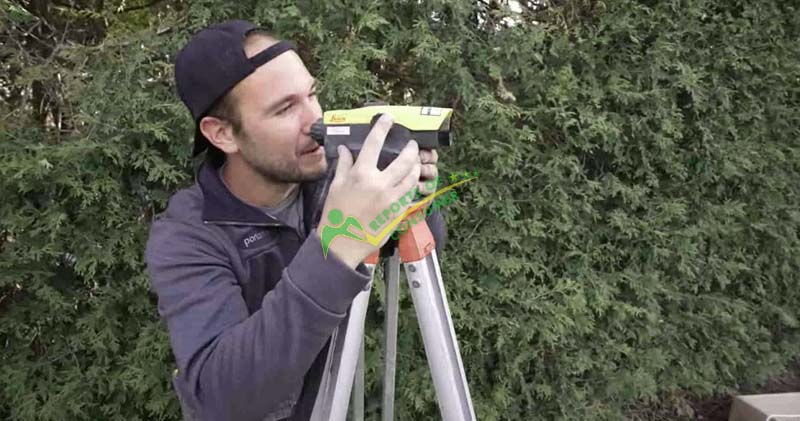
(221,206)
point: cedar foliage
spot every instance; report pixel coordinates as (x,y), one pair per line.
(632,239)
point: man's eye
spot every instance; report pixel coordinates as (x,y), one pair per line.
(286,108)
(313,94)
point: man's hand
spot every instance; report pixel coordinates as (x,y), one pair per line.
(361,191)
(429,172)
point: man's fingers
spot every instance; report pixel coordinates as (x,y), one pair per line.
(423,188)
(428,156)
(374,142)
(408,182)
(428,172)
(428,187)
(344,163)
(401,165)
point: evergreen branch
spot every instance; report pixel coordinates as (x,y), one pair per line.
(139,7)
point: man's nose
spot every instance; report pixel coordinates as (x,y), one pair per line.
(311,113)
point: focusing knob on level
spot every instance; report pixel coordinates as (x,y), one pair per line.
(318,132)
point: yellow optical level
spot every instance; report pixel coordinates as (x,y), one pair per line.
(429,126)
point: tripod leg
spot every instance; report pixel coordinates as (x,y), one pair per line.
(391,274)
(441,346)
(358,388)
(322,408)
(336,385)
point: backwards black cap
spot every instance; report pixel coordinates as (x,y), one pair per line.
(212,63)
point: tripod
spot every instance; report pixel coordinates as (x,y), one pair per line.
(345,360)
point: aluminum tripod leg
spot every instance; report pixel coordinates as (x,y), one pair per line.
(441,347)
(358,388)
(346,346)
(416,250)
(391,277)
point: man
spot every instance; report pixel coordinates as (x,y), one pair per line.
(236,259)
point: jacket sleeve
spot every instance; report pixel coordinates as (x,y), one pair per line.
(236,366)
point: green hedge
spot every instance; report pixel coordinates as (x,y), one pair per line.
(632,240)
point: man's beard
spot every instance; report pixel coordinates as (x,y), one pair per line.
(276,171)
(283,172)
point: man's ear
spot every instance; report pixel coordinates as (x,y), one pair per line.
(219,133)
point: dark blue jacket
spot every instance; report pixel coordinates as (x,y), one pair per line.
(249,303)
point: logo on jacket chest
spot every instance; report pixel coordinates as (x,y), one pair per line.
(252,240)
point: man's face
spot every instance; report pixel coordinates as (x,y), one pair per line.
(277,105)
